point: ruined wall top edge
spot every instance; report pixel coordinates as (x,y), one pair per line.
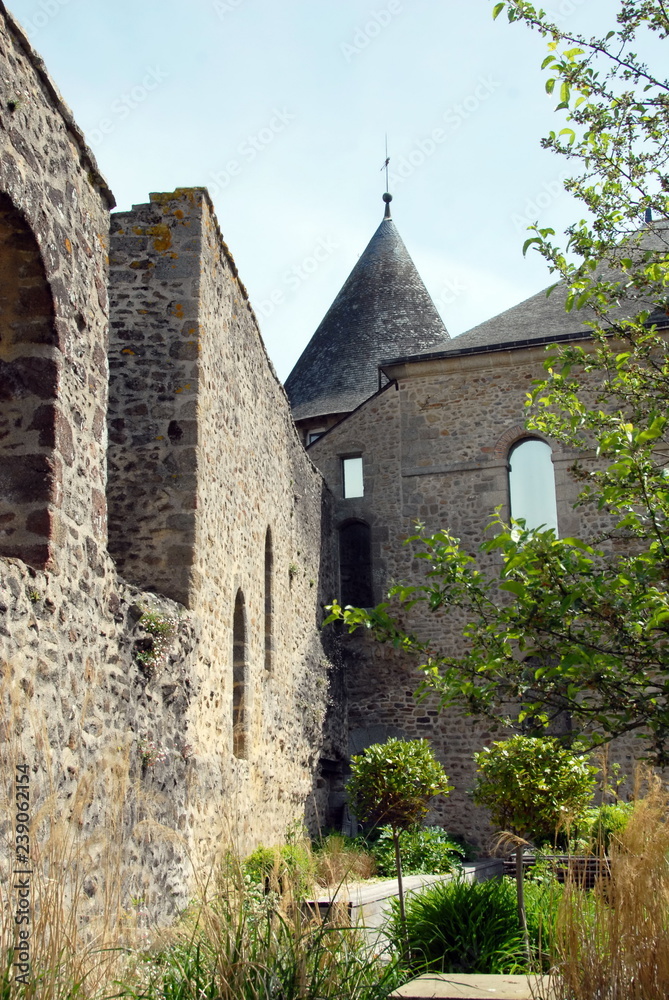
(36,61)
(188,192)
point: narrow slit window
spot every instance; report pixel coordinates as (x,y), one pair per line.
(269,601)
(239,680)
(352,476)
(532,484)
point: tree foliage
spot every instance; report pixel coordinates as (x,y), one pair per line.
(393,783)
(580,624)
(533,786)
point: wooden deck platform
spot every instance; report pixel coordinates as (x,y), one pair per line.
(444,986)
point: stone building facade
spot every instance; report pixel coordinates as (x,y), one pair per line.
(435,446)
(182,663)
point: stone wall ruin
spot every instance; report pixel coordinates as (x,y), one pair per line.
(126,666)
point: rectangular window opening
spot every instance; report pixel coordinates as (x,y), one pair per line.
(352,475)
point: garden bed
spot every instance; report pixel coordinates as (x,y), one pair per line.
(369,903)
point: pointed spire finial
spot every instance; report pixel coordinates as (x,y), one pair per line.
(387,197)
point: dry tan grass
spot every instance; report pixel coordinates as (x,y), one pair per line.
(82,917)
(613,943)
(338,862)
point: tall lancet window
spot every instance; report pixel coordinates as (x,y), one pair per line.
(532,484)
(269,601)
(239,680)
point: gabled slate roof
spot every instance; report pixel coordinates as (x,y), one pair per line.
(542,317)
(382,310)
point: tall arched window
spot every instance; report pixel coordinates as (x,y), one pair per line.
(532,484)
(269,601)
(355,564)
(239,680)
(28,390)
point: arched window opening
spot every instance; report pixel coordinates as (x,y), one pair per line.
(269,601)
(239,680)
(532,484)
(28,388)
(355,564)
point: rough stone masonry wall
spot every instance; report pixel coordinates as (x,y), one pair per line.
(212,496)
(434,450)
(82,684)
(155,262)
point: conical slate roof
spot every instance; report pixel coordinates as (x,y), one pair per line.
(382,311)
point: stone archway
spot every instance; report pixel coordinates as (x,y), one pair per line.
(29,375)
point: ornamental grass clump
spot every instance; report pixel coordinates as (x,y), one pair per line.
(467,927)
(340,859)
(235,944)
(613,943)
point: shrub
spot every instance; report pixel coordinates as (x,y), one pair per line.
(462,927)
(604,823)
(289,869)
(394,782)
(533,785)
(426,850)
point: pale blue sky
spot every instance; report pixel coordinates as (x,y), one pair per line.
(281,110)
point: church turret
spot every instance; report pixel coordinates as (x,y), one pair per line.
(382,311)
